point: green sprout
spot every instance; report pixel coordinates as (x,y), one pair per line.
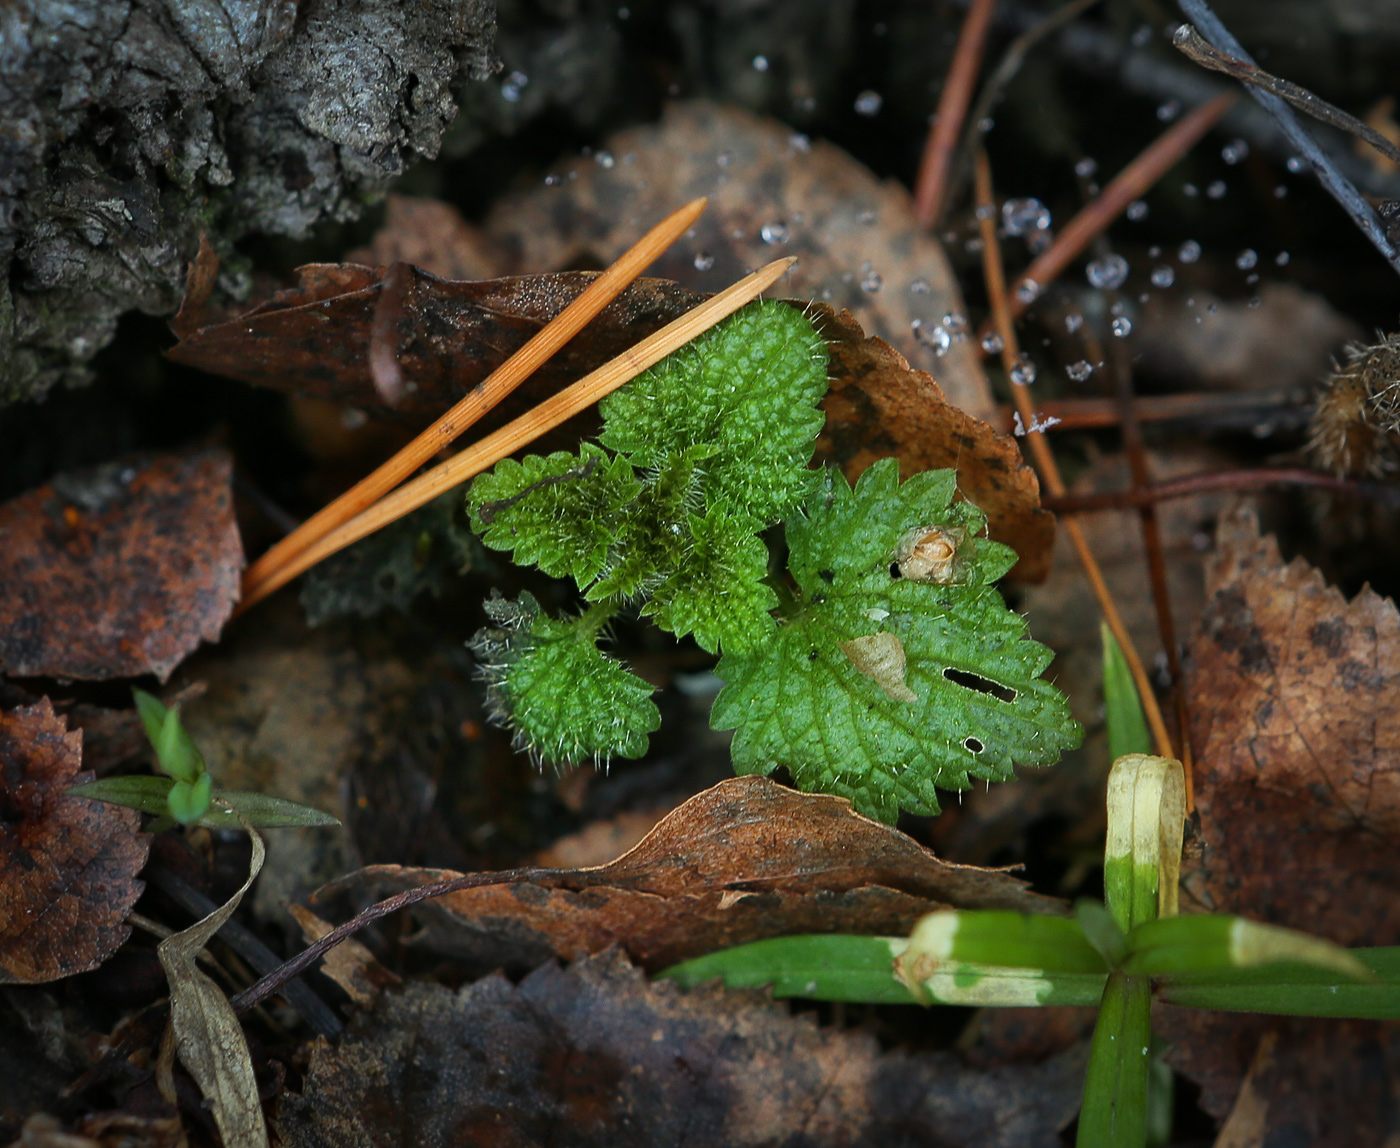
(187,794)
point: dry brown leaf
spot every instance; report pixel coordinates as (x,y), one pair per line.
(208,1036)
(1295,701)
(432,235)
(69,864)
(744,860)
(772,192)
(349,964)
(118,570)
(594,1055)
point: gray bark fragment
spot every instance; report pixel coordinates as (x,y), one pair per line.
(128,126)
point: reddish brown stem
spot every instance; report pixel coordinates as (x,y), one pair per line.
(1212,481)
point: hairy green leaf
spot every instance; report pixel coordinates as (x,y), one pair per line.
(750,387)
(565,513)
(564,700)
(900,670)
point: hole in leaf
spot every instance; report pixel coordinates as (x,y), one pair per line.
(980,684)
(973,745)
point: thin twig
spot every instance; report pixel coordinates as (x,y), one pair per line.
(524,430)
(477,402)
(931,185)
(1211,407)
(1194,46)
(1340,188)
(1212,481)
(1129,184)
(1045,460)
(1006,69)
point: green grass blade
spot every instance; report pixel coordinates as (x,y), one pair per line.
(1114,1112)
(1127,727)
(1292,989)
(827,967)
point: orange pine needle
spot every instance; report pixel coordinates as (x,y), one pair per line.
(481,399)
(931,184)
(1045,459)
(525,429)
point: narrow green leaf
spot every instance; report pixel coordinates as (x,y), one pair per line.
(189,801)
(176,753)
(145,794)
(264,812)
(1146,823)
(1114,1112)
(1291,989)
(996,937)
(1207,943)
(152,711)
(827,967)
(1127,727)
(1101,930)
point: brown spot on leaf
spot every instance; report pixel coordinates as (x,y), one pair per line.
(70,864)
(118,570)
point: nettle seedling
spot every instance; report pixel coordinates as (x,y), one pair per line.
(882,664)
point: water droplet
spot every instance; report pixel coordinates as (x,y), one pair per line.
(1215,189)
(1246,259)
(1136,210)
(1142,34)
(1019,216)
(1122,327)
(869,103)
(866,216)
(704,261)
(991,343)
(1163,276)
(512,86)
(604,159)
(1023,370)
(956,322)
(1295,164)
(1234,151)
(973,245)
(1281,259)
(933,335)
(724,159)
(986,124)
(920,287)
(1280,191)
(1073,322)
(1109,272)
(1154,252)
(1027,291)
(1189,251)
(1080,370)
(799,142)
(1190,190)
(760,63)
(1169,111)
(871,282)
(1086,167)
(553,180)
(774,233)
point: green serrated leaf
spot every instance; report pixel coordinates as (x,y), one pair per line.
(563,698)
(564,513)
(716,591)
(749,387)
(952,693)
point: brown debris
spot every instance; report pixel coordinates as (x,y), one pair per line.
(118,570)
(744,860)
(70,864)
(594,1055)
(1295,702)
